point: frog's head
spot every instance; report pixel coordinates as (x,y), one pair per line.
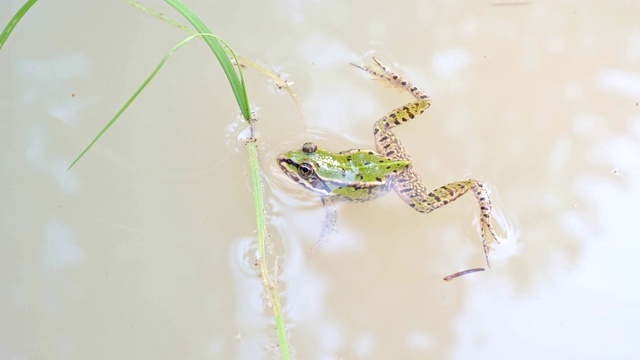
(303,166)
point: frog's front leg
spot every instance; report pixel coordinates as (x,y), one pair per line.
(329,225)
(412,190)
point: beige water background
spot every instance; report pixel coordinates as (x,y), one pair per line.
(146,249)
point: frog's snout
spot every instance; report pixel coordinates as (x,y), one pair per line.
(285,163)
(281,160)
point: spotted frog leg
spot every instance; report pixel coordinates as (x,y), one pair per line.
(409,185)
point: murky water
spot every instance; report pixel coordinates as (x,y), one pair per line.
(146,248)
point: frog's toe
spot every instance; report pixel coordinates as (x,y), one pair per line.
(359,66)
(382,66)
(493,233)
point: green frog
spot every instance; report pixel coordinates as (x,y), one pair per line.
(361,175)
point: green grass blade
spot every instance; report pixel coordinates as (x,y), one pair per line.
(271,285)
(237,83)
(14,21)
(136,93)
(274,76)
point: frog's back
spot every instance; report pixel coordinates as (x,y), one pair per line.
(366,175)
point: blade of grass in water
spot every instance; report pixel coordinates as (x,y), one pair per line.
(274,76)
(14,21)
(137,92)
(239,90)
(237,84)
(270,285)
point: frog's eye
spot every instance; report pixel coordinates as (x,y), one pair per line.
(305,170)
(309,148)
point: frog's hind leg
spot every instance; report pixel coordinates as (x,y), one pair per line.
(387,143)
(412,190)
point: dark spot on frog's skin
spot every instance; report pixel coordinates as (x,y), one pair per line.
(390,152)
(370,152)
(396,122)
(367,163)
(377,178)
(483,208)
(375,131)
(393,115)
(445,202)
(411,115)
(388,166)
(386,146)
(359,177)
(381,161)
(412,205)
(384,138)
(481,199)
(348,157)
(404,83)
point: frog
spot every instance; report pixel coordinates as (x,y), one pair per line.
(360,175)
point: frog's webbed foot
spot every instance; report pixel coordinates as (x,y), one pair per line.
(412,190)
(382,72)
(485,216)
(329,226)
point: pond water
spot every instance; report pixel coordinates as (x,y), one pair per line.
(146,249)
